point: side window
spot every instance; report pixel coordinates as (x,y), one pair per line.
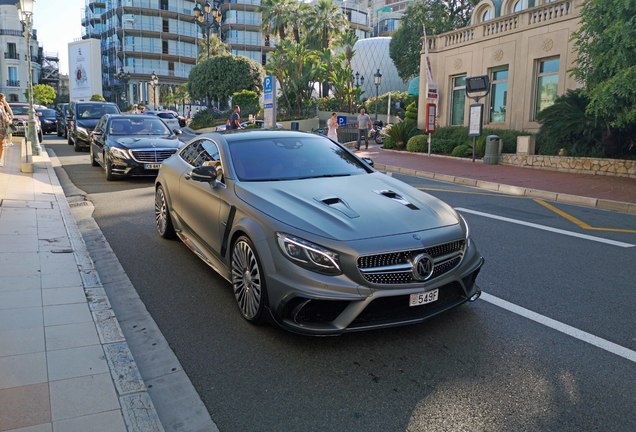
(203,152)
(191,153)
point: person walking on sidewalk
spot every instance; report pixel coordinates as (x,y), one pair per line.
(6,116)
(363,123)
(332,127)
(235,118)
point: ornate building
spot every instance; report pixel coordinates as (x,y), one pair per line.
(525,48)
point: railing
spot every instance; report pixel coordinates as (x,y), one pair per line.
(13,83)
(10,55)
(533,17)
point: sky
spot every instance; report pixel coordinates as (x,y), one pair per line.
(58,22)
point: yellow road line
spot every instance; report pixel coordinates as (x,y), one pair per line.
(579,222)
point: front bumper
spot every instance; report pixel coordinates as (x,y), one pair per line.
(308,303)
(149,167)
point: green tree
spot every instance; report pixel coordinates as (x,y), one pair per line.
(98,98)
(217,78)
(276,17)
(606,64)
(438,16)
(217,48)
(43,94)
(248,101)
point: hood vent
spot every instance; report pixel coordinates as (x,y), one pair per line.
(397,197)
(338,204)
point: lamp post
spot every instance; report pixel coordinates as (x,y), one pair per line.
(377,80)
(26,10)
(208,17)
(154,81)
(123,77)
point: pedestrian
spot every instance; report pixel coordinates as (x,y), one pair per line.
(6,117)
(235,118)
(135,109)
(363,123)
(332,127)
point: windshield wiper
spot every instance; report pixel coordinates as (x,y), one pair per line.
(328,175)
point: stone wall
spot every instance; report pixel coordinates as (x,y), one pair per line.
(594,166)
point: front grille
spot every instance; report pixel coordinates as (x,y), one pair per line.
(396,267)
(152,156)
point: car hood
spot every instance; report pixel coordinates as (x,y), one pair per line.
(132,142)
(88,123)
(348,208)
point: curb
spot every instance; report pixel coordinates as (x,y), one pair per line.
(137,407)
(603,204)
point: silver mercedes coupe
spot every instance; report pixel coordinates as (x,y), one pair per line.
(311,236)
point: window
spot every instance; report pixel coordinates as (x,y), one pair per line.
(202,152)
(163,5)
(458,100)
(13,77)
(164,47)
(486,15)
(11,53)
(547,84)
(498,94)
(165,26)
(520,5)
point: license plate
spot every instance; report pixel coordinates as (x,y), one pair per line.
(152,166)
(423,298)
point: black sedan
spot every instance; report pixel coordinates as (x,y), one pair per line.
(131,145)
(47,119)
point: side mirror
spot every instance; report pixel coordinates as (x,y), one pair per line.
(368,160)
(177,131)
(204,174)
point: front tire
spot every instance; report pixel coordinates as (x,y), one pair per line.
(109,170)
(162,215)
(248,281)
(93,161)
(379,138)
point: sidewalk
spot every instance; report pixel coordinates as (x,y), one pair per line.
(603,192)
(64,362)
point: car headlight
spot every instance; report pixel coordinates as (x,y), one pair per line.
(309,255)
(81,130)
(119,153)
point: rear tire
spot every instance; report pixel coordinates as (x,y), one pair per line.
(69,140)
(162,215)
(379,138)
(76,146)
(248,281)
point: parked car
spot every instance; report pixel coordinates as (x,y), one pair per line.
(128,145)
(60,115)
(21,119)
(47,119)
(168,117)
(311,236)
(258,124)
(82,118)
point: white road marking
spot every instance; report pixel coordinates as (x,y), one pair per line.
(563,328)
(547,228)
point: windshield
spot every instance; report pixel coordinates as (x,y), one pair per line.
(19,109)
(46,112)
(138,125)
(92,111)
(166,115)
(292,158)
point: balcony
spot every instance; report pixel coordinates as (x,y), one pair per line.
(10,55)
(521,21)
(13,83)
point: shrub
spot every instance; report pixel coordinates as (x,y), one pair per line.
(206,118)
(462,150)
(418,144)
(388,143)
(248,101)
(400,133)
(442,146)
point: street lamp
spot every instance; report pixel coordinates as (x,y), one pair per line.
(208,17)
(26,10)
(377,79)
(361,82)
(123,77)
(154,81)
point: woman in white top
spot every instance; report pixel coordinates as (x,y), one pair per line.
(332,126)
(5,114)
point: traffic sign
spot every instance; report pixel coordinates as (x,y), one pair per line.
(268,84)
(342,120)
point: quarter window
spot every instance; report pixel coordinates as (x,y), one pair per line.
(458,101)
(547,84)
(202,152)
(498,94)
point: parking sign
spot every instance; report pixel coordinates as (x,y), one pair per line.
(342,120)
(268,84)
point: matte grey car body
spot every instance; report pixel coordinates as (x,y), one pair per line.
(312,236)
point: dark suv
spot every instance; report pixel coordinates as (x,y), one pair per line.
(82,118)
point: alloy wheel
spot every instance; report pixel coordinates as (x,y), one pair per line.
(247,280)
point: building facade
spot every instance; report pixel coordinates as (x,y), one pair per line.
(386,15)
(14,71)
(525,48)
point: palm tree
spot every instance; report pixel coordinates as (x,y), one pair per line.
(217,48)
(276,15)
(181,93)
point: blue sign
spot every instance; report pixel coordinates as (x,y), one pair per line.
(269,105)
(342,120)
(268,84)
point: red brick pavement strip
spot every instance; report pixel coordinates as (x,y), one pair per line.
(606,192)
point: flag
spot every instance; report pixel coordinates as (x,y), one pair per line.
(429,73)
